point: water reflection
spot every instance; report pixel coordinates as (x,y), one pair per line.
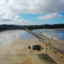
(11,35)
(52,33)
(7,39)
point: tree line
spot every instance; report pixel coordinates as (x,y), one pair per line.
(30,27)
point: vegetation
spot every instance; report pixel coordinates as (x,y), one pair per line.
(30,27)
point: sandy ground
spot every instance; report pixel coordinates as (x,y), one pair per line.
(18,53)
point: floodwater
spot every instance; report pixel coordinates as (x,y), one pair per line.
(57,34)
(14,46)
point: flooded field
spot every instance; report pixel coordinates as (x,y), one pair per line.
(57,34)
(14,48)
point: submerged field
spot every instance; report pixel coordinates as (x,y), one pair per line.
(14,49)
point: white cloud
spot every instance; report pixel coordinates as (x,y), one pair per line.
(36,6)
(11,8)
(12,21)
(50,16)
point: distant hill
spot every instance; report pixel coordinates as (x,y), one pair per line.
(30,27)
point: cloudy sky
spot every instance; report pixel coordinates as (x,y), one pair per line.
(31,12)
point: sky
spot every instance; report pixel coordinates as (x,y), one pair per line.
(31,12)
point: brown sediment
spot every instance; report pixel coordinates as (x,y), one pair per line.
(18,53)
